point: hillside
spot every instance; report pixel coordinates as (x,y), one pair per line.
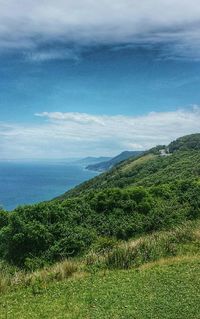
(185,143)
(122,245)
(108,164)
(140,195)
(150,168)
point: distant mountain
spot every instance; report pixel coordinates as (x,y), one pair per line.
(91,160)
(105,165)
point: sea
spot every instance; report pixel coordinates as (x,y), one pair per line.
(35,181)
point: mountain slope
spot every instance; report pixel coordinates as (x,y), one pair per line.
(105,165)
(146,170)
(134,232)
(141,195)
(185,143)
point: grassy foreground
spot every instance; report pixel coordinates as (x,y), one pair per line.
(166,289)
(155,276)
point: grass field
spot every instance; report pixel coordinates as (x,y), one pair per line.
(166,289)
(155,276)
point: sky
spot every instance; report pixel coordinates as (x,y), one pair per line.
(94,78)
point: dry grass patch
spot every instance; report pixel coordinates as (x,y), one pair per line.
(57,272)
(149,248)
(139,161)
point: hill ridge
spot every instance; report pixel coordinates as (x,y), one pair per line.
(106,165)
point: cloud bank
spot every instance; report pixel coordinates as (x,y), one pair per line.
(64,135)
(33,23)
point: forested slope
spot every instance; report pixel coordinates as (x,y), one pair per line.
(141,195)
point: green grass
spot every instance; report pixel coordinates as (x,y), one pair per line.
(166,290)
(156,276)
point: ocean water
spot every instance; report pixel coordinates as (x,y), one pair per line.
(31,182)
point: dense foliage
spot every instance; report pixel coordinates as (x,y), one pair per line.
(185,143)
(138,196)
(147,170)
(51,231)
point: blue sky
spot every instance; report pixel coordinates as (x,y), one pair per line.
(102,80)
(79,78)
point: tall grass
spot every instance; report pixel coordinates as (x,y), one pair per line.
(57,272)
(108,254)
(148,248)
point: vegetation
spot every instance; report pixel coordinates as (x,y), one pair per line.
(108,253)
(105,165)
(147,170)
(122,245)
(140,195)
(185,143)
(32,236)
(142,278)
(164,290)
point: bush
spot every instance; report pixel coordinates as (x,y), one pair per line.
(33,236)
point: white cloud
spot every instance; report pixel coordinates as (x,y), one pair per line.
(82,118)
(33,23)
(64,135)
(52,54)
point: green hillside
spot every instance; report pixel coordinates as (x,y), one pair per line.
(123,245)
(151,168)
(141,195)
(185,143)
(105,165)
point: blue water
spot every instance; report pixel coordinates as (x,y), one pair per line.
(26,183)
